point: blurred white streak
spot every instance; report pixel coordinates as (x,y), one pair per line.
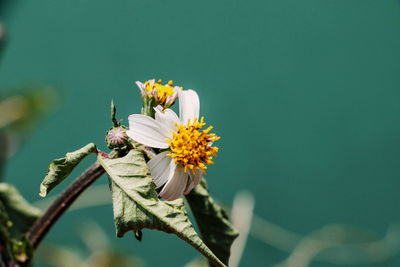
(197,262)
(94,237)
(273,234)
(241,214)
(99,249)
(59,256)
(345,245)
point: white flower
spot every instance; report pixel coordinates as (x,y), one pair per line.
(164,95)
(186,148)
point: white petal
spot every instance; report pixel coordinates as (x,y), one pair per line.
(189,105)
(154,93)
(189,186)
(147,131)
(195,179)
(141,87)
(176,185)
(162,168)
(171,99)
(167,118)
(176,90)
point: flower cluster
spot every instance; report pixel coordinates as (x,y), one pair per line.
(185,147)
(164,95)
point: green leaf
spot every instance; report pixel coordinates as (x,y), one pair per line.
(21,111)
(136,205)
(20,212)
(16,217)
(5,222)
(114,120)
(215,228)
(5,249)
(3,152)
(59,169)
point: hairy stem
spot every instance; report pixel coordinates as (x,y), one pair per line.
(62,203)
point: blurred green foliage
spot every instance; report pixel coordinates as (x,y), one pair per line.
(305,95)
(19,114)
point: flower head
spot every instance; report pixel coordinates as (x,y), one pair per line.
(116,137)
(164,95)
(190,147)
(187,144)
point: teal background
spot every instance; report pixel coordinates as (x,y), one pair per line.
(305,95)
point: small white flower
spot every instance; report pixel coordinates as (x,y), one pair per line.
(164,95)
(188,148)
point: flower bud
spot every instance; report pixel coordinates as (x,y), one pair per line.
(116,138)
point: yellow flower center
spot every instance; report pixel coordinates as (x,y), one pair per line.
(162,92)
(191,147)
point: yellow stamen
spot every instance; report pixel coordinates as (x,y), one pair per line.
(190,147)
(159,91)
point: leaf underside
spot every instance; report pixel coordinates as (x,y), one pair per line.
(20,212)
(16,217)
(59,169)
(136,205)
(215,228)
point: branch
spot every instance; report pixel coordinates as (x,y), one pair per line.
(62,203)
